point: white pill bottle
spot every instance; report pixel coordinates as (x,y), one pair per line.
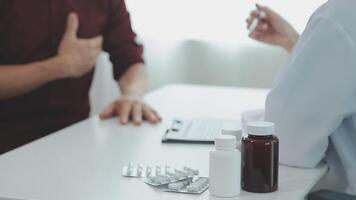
(225,168)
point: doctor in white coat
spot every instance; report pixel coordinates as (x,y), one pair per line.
(313,102)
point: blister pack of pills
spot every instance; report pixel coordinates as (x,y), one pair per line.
(140,171)
(190,186)
(169,179)
(171,176)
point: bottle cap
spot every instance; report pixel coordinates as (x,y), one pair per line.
(260,128)
(225,142)
(232,129)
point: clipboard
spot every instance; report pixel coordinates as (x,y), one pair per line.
(197,131)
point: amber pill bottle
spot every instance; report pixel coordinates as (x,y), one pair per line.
(259,161)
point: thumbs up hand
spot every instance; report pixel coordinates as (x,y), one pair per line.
(77,56)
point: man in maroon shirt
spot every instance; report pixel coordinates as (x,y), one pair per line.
(48,50)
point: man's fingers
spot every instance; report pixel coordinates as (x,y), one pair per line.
(124,110)
(133,110)
(93,47)
(108,112)
(72,25)
(97,41)
(150,115)
(137,113)
(95,53)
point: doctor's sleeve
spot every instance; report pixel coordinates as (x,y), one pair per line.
(315,94)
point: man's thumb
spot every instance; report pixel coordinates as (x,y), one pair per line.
(72,25)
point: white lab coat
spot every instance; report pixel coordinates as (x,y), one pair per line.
(313,102)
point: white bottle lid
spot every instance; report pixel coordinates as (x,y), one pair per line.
(225,142)
(260,128)
(232,129)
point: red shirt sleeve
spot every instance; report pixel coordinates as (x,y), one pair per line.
(119,39)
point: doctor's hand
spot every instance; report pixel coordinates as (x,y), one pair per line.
(273,29)
(131,108)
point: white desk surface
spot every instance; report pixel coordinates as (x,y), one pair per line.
(84,161)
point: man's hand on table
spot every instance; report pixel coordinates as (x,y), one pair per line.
(131,108)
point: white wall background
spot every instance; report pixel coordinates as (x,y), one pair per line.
(202,42)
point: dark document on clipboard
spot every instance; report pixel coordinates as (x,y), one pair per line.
(197,130)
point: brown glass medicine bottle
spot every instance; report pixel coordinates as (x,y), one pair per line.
(259,162)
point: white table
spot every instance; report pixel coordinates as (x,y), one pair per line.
(84,161)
